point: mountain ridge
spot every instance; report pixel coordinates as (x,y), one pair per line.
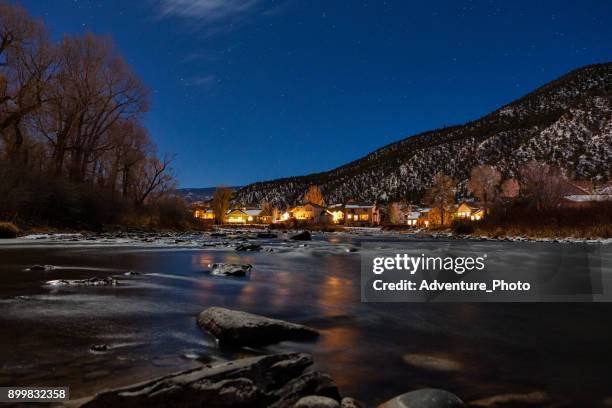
(578,102)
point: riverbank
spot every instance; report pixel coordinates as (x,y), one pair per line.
(227,235)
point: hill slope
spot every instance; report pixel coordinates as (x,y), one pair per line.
(192,195)
(567,122)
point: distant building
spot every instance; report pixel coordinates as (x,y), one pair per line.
(581,193)
(243,216)
(337,213)
(310,212)
(361,215)
(584,200)
(410,218)
(203,213)
(466,211)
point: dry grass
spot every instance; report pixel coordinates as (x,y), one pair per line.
(592,221)
(8,230)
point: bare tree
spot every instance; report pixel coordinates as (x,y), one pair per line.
(94,88)
(267,207)
(26,68)
(543,184)
(314,195)
(510,188)
(483,183)
(441,194)
(394,213)
(220,203)
(155,177)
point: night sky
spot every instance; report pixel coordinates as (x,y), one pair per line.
(251,90)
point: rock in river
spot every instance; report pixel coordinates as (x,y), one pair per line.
(276,381)
(84,282)
(248,247)
(266,235)
(302,236)
(99,347)
(348,402)
(425,398)
(41,268)
(223,269)
(235,328)
(316,401)
(432,363)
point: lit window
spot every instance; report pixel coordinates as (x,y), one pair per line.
(250,218)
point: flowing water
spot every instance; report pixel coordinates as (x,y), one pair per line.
(148,322)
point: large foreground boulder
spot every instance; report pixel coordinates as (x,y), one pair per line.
(425,398)
(276,381)
(235,328)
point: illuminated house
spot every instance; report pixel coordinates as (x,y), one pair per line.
(468,212)
(361,215)
(204,214)
(267,216)
(307,212)
(243,216)
(423,220)
(411,218)
(337,213)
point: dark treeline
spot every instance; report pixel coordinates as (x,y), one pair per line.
(73,150)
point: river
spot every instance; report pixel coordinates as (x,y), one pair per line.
(148,322)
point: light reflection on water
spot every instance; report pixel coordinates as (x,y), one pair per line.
(149,323)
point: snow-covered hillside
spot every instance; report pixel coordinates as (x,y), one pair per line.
(567,122)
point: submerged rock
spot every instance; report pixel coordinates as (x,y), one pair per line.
(84,282)
(316,401)
(425,398)
(432,363)
(237,328)
(531,399)
(223,269)
(275,381)
(41,268)
(266,235)
(348,402)
(302,236)
(99,347)
(248,247)
(131,273)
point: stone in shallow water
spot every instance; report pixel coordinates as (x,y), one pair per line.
(266,235)
(41,268)
(276,381)
(302,236)
(226,269)
(530,399)
(248,247)
(235,328)
(316,401)
(425,398)
(84,282)
(348,402)
(432,363)
(99,347)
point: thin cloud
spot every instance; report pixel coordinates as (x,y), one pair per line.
(206,11)
(207,81)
